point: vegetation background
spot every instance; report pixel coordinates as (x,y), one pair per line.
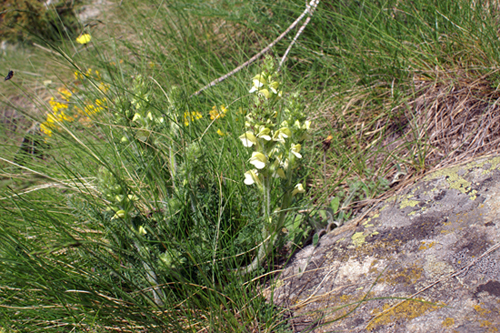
(393,89)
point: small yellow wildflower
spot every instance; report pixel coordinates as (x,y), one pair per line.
(100,102)
(83,39)
(51,119)
(65,93)
(64,117)
(56,106)
(78,75)
(104,87)
(216,114)
(45,129)
(190,117)
(220,132)
(92,109)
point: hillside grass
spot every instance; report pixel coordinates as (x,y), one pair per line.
(140,225)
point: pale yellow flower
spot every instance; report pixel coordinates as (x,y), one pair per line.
(258,160)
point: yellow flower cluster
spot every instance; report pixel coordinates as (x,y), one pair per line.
(191,116)
(88,74)
(65,93)
(64,111)
(91,109)
(56,117)
(216,114)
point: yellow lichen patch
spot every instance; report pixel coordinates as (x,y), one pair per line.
(407,310)
(407,276)
(472,195)
(457,182)
(448,322)
(426,246)
(406,202)
(486,323)
(494,163)
(481,311)
(359,237)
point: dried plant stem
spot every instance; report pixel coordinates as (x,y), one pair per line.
(312,5)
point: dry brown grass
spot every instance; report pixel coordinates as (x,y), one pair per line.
(460,116)
(446,119)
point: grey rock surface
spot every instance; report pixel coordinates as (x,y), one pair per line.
(426,260)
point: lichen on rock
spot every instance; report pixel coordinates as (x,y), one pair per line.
(426,261)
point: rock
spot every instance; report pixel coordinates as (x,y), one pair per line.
(92,11)
(426,260)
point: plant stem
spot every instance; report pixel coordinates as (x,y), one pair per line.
(270,231)
(152,279)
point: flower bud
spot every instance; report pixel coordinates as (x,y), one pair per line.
(298,189)
(121,214)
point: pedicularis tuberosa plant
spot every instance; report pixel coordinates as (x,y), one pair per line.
(163,169)
(275,129)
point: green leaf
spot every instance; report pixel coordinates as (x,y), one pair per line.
(335,203)
(315,239)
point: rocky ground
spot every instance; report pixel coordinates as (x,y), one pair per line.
(424,260)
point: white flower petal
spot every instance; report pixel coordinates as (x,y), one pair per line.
(296,150)
(251,177)
(248,139)
(258,160)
